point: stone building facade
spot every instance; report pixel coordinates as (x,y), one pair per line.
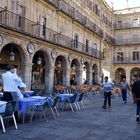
(51,42)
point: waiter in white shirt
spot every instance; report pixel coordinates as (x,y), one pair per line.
(10,87)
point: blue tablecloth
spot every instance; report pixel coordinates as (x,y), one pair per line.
(24,103)
(28,92)
(63,97)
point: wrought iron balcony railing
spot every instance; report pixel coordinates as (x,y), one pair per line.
(22,25)
(53,2)
(109,38)
(76,15)
(126,60)
(125,25)
(127,41)
(66,8)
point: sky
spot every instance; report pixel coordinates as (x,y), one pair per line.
(121,4)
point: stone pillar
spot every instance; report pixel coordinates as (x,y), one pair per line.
(128,75)
(89,76)
(49,77)
(66,76)
(79,75)
(26,73)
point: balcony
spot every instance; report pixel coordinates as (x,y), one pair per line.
(80,18)
(126,60)
(66,8)
(120,26)
(109,39)
(128,41)
(77,16)
(22,25)
(53,2)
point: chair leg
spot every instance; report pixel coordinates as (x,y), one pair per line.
(82,104)
(76,106)
(44,114)
(56,111)
(3,127)
(14,121)
(53,112)
(71,107)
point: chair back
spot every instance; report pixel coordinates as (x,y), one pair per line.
(73,98)
(36,92)
(10,106)
(80,97)
(55,100)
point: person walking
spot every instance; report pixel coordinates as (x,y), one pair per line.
(136,93)
(107,87)
(10,87)
(124,89)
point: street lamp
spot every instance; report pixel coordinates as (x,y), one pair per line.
(12,54)
(39,60)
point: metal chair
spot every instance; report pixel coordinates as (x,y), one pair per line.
(53,106)
(39,107)
(72,100)
(9,113)
(79,101)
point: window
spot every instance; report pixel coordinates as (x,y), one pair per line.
(21,18)
(76,41)
(87,45)
(135,22)
(119,24)
(135,56)
(44,26)
(119,56)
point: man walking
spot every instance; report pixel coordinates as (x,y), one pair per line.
(124,89)
(107,87)
(136,91)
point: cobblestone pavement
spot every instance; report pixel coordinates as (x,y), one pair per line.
(91,123)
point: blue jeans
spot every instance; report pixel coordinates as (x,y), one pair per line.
(107,97)
(138,108)
(124,94)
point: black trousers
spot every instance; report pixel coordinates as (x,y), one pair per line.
(7,96)
(107,97)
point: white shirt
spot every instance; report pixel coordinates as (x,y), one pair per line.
(9,81)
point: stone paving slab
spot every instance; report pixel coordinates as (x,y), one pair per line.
(91,123)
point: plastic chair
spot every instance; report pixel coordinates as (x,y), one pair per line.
(53,106)
(40,107)
(72,100)
(9,113)
(79,100)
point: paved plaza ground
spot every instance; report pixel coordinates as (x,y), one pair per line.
(91,123)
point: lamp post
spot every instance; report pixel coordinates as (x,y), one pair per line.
(39,60)
(12,54)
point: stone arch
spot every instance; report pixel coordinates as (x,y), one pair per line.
(12,53)
(60,70)
(74,72)
(94,74)
(134,73)
(120,73)
(40,69)
(86,73)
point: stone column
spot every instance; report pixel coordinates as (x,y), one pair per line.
(89,78)
(79,75)
(26,73)
(66,75)
(49,77)
(128,75)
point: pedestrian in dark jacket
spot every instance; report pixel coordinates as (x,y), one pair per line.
(136,91)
